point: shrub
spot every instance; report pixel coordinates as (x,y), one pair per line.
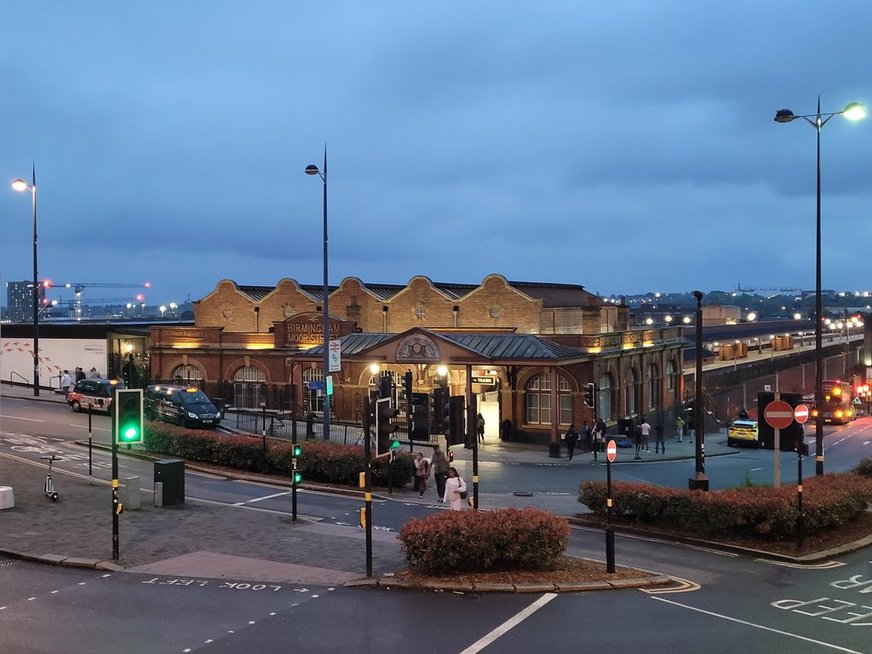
(865,467)
(828,502)
(478,541)
(320,461)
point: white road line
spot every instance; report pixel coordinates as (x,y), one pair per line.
(3,415)
(86,426)
(261,499)
(758,626)
(512,622)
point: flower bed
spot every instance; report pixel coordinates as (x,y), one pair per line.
(477,541)
(320,461)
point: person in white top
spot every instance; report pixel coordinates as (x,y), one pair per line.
(454,486)
(66,381)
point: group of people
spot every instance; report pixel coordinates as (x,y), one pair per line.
(69,379)
(591,439)
(450,486)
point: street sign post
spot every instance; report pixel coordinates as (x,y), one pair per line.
(778,415)
(335,355)
(611,453)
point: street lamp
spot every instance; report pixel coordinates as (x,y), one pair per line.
(699,481)
(312,169)
(20,185)
(853,111)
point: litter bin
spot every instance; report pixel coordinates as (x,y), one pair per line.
(171,474)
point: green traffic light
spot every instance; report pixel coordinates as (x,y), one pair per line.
(298,477)
(130,434)
(395,445)
(298,450)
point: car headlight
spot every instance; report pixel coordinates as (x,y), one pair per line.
(192,415)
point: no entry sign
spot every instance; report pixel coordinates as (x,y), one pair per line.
(778,414)
(611,451)
(800,413)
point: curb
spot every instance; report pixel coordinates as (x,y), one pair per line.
(392,583)
(62,560)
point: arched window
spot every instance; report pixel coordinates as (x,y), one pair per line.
(313,400)
(653,387)
(248,387)
(539,400)
(634,392)
(186,374)
(671,376)
(604,398)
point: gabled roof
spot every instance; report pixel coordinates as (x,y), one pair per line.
(501,347)
(258,293)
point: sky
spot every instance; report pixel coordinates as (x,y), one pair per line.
(626,146)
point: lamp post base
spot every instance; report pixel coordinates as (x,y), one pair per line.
(700,482)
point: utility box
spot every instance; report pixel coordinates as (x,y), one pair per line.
(170,473)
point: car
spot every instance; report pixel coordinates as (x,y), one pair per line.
(93,393)
(185,406)
(743,432)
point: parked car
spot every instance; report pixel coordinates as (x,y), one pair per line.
(96,393)
(182,405)
(743,432)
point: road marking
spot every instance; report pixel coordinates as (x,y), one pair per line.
(684,586)
(261,499)
(804,566)
(3,415)
(758,626)
(512,622)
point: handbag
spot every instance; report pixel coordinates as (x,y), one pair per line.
(464,494)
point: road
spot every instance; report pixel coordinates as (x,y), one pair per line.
(823,609)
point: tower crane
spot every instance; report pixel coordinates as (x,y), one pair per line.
(79,289)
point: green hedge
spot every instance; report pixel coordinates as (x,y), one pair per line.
(320,461)
(865,467)
(478,541)
(829,502)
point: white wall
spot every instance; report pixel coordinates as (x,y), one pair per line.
(56,355)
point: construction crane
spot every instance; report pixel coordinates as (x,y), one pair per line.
(79,289)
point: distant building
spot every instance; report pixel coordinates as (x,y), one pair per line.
(19,300)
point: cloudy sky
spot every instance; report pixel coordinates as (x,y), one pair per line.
(628,146)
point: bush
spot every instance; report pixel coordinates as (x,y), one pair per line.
(479,541)
(828,502)
(320,461)
(865,467)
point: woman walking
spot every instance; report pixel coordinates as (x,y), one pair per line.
(440,470)
(454,486)
(422,472)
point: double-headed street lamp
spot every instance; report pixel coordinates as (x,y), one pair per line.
(21,186)
(854,111)
(312,169)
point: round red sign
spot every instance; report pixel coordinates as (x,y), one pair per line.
(778,414)
(800,413)
(611,451)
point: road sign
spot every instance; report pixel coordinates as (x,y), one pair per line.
(335,355)
(315,385)
(778,414)
(800,413)
(611,451)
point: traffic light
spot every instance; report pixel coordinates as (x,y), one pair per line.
(297,450)
(440,400)
(385,414)
(385,386)
(420,417)
(590,394)
(128,416)
(298,476)
(407,386)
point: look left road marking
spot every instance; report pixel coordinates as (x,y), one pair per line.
(512,622)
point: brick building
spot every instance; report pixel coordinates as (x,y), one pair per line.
(513,350)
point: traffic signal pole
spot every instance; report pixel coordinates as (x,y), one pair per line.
(367,484)
(294,449)
(116,504)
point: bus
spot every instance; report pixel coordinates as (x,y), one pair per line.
(837,406)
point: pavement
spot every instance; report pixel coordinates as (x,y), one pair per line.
(203,539)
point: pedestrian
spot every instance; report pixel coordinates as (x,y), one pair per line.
(646,433)
(679,429)
(440,467)
(658,434)
(66,382)
(310,425)
(93,374)
(743,415)
(571,439)
(80,374)
(506,430)
(584,436)
(599,435)
(455,490)
(422,472)
(637,441)
(479,427)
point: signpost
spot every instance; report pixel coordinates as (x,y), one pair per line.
(800,414)
(611,453)
(335,355)
(778,415)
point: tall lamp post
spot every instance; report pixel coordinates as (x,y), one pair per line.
(21,186)
(699,481)
(853,111)
(312,169)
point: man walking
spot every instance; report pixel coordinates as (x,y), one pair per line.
(679,429)
(646,434)
(571,439)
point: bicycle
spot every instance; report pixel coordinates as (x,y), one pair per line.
(50,491)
